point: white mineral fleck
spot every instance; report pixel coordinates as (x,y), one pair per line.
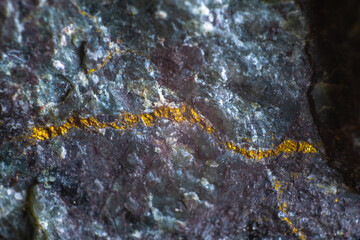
(192,196)
(69,30)
(83,79)
(18,196)
(206,184)
(104,30)
(99,184)
(223,73)
(161,14)
(238,18)
(212,164)
(97,55)
(63,152)
(133,10)
(59,65)
(136,234)
(9,9)
(95,79)
(10,191)
(202,10)
(208,27)
(44,224)
(63,40)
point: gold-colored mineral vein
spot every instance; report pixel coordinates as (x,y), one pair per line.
(183,114)
(93,19)
(283,210)
(109,53)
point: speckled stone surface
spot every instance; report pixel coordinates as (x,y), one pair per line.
(163,119)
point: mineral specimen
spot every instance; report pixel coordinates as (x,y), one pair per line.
(163,119)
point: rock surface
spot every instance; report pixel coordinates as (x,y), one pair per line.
(164,120)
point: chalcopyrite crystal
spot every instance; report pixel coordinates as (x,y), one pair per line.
(162,119)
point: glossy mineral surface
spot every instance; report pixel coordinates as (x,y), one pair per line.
(163,119)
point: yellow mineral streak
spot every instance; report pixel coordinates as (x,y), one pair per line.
(277,185)
(288,147)
(130,119)
(147,119)
(282,209)
(106,60)
(294,229)
(87,15)
(44,133)
(176,114)
(194,116)
(110,53)
(108,56)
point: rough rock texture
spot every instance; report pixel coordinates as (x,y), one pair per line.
(170,119)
